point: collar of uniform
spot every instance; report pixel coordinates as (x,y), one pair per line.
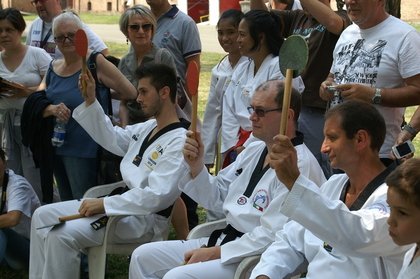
(298,139)
(172,12)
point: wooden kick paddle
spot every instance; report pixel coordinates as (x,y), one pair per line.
(293,56)
(193,77)
(62,220)
(81,44)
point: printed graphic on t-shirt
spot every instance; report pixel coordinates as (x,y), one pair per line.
(306,32)
(358,62)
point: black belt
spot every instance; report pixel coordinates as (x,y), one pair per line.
(230,232)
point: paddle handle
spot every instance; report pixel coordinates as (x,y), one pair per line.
(194,104)
(286,101)
(70,217)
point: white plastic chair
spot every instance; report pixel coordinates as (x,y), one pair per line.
(247,264)
(204,230)
(97,254)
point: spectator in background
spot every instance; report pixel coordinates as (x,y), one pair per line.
(227,34)
(377,60)
(76,162)
(138,24)
(27,66)
(178,33)
(18,202)
(321,27)
(221,74)
(404,221)
(41,34)
(410,130)
(259,39)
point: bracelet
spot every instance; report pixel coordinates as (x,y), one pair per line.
(407,127)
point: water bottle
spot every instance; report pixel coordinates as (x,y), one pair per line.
(59,133)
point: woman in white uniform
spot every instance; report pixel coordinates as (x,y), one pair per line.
(260,40)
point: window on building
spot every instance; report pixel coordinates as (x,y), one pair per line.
(89,7)
(109,6)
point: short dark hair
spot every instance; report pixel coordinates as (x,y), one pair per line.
(160,75)
(295,97)
(14,17)
(232,14)
(267,23)
(358,115)
(405,179)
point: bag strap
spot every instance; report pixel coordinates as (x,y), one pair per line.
(92,67)
(158,56)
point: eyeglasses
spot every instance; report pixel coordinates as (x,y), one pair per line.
(136,27)
(62,38)
(261,112)
(34,2)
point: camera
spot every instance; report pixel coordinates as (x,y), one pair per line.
(403,150)
(332,89)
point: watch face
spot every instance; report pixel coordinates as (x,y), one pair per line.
(377,98)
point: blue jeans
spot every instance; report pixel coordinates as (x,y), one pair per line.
(14,248)
(74,176)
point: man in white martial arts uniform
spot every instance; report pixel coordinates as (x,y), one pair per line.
(341,228)
(247,192)
(152,161)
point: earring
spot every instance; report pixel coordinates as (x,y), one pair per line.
(126,39)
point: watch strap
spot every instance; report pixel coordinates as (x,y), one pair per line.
(407,127)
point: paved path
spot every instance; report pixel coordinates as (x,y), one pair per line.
(112,33)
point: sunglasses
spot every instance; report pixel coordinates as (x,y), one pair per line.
(261,112)
(62,38)
(34,2)
(136,27)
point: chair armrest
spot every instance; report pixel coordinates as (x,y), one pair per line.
(102,190)
(206,229)
(246,266)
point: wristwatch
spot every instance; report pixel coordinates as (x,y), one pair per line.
(377,98)
(407,127)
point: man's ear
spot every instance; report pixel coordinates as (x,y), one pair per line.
(291,115)
(362,138)
(164,92)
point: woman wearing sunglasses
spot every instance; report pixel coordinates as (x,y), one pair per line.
(76,161)
(138,24)
(27,66)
